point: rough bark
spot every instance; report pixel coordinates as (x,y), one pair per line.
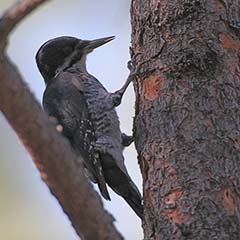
(59,167)
(188,116)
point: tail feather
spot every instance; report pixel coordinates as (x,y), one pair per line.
(103,189)
(135,203)
(130,193)
(118,179)
(100,178)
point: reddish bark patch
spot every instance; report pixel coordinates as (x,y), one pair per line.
(145,165)
(237,143)
(158,237)
(147,197)
(234,67)
(171,210)
(209,123)
(152,86)
(237,70)
(173,196)
(172,171)
(174,216)
(228,200)
(228,42)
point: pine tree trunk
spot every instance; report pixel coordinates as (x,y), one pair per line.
(187,124)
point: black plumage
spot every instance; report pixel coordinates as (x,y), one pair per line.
(85,110)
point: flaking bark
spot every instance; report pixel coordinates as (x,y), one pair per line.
(188,116)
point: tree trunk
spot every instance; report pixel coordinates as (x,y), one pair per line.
(187,124)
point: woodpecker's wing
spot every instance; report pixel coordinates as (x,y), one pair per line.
(64,101)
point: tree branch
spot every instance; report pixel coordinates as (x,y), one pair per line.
(59,167)
(16,13)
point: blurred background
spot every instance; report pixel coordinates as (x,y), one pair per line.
(27,209)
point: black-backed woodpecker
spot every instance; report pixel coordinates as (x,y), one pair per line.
(83,111)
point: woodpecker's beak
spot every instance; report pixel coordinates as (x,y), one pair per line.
(98,42)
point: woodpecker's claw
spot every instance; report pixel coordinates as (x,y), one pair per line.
(116,98)
(126,140)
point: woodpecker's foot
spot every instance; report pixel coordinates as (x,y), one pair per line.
(130,65)
(116,98)
(126,140)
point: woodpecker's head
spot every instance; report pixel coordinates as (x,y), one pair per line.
(60,53)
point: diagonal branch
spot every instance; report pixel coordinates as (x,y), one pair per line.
(59,167)
(16,13)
